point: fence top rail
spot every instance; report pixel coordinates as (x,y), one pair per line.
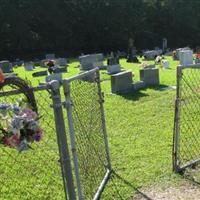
(84,74)
(192,66)
(18,91)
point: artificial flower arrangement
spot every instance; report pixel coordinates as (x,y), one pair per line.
(19,126)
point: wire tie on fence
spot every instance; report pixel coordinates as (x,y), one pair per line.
(68,103)
(58,105)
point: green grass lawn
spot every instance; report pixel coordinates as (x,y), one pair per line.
(139,126)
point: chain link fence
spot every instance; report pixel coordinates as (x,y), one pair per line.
(187,116)
(45,172)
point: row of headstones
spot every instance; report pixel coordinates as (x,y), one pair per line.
(88,62)
(123,82)
(185,56)
(7,67)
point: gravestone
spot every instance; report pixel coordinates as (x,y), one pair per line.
(150,76)
(59,69)
(50,56)
(91,61)
(121,82)
(178,52)
(164,45)
(151,55)
(113,59)
(113,69)
(43,63)
(18,62)
(29,66)
(186,57)
(61,61)
(38,74)
(57,77)
(6,66)
(165,64)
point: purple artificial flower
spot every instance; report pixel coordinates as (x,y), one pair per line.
(38,135)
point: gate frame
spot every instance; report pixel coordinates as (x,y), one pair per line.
(176,132)
(68,105)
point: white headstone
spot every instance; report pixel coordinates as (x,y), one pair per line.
(165,64)
(186,57)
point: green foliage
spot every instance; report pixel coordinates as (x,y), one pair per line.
(74,26)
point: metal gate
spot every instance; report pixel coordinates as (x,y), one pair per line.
(186,145)
(87,130)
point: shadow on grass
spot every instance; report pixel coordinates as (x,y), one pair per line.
(123,189)
(162,87)
(133,95)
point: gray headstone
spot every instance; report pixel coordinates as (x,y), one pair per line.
(150,76)
(121,82)
(50,56)
(91,61)
(29,66)
(186,57)
(151,55)
(179,50)
(61,61)
(6,66)
(42,63)
(113,69)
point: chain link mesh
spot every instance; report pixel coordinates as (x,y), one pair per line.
(32,174)
(90,144)
(88,135)
(189,107)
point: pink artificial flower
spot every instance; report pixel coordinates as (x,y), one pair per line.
(29,114)
(12,141)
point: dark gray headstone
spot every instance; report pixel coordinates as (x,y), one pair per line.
(6,66)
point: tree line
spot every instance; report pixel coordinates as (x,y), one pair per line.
(31,28)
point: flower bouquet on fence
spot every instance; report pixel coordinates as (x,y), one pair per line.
(19,127)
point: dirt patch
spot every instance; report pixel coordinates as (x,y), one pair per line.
(183,191)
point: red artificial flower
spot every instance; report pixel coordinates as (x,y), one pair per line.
(12,141)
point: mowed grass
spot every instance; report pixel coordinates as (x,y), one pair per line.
(139,126)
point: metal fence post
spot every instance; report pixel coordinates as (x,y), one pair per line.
(62,142)
(68,106)
(176,136)
(103,120)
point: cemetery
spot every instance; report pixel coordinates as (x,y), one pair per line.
(99,100)
(138,93)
